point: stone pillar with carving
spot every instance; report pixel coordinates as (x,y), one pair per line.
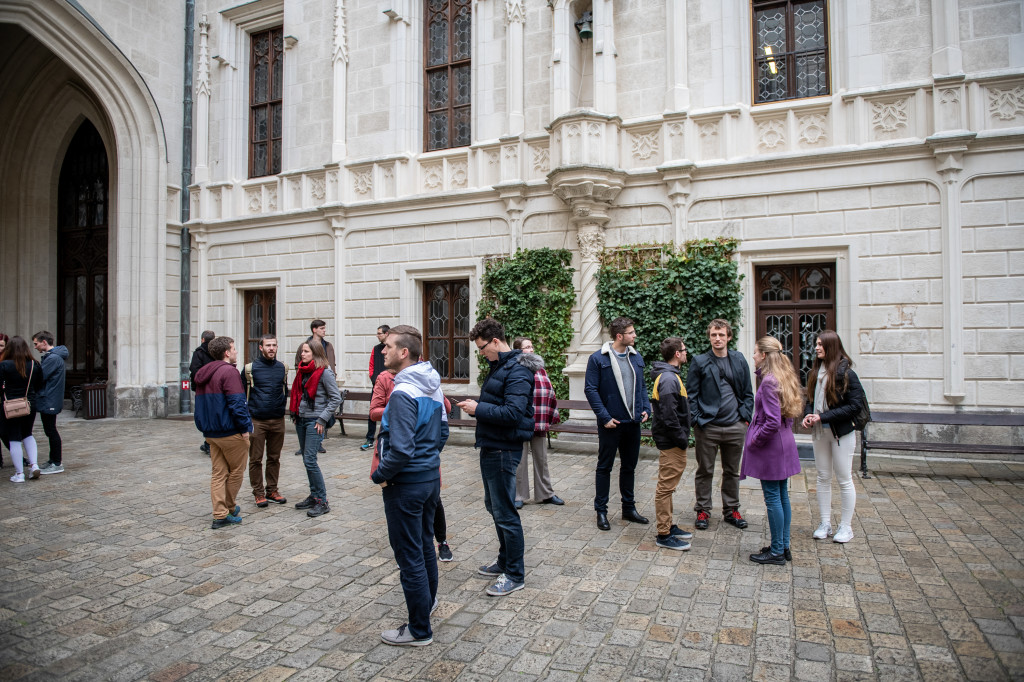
(339,62)
(515,14)
(590,238)
(514,196)
(338,225)
(678,177)
(202,120)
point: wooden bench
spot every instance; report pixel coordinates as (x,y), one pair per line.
(1000,419)
(458,419)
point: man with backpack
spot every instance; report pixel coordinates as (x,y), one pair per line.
(266,392)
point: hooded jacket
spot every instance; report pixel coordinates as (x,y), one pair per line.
(266,388)
(604,389)
(670,408)
(414,428)
(220,401)
(50,399)
(200,357)
(504,415)
(545,403)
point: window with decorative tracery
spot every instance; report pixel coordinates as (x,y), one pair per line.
(260,319)
(790,49)
(446,79)
(266,82)
(795,303)
(446,324)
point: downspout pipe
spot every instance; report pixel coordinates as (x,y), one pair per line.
(185,307)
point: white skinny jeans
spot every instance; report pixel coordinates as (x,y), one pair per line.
(831,455)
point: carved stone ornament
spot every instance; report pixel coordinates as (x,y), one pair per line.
(541,159)
(317,189)
(645,145)
(340,32)
(889,117)
(813,129)
(1006,105)
(254,199)
(591,244)
(362,181)
(432,176)
(771,134)
(271,198)
(515,12)
(458,174)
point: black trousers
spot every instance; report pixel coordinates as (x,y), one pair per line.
(52,435)
(625,439)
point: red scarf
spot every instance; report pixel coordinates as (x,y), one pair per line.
(312,375)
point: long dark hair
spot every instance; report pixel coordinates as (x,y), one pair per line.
(834,355)
(7,341)
(17,352)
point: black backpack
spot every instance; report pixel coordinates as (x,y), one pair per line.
(863,416)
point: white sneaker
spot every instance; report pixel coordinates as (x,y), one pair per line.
(18,478)
(34,474)
(843,534)
(824,530)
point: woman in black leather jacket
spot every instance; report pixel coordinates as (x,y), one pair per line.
(834,396)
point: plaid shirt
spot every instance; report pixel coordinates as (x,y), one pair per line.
(545,404)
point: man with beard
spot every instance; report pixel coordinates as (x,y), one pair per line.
(266,393)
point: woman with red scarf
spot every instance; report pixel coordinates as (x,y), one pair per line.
(314,400)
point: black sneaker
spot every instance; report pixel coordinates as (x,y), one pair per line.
(677,532)
(319,509)
(321,450)
(768,558)
(735,519)
(785,553)
(444,552)
(306,503)
(702,521)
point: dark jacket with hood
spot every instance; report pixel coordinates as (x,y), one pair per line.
(504,415)
(266,388)
(705,395)
(604,388)
(414,428)
(840,417)
(51,397)
(220,401)
(200,357)
(671,409)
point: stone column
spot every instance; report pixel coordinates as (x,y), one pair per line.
(947,58)
(949,153)
(338,225)
(590,238)
(514,196)
(339,62)
(202,120)
(516,17)
(678,177)
(203,258)
(562,34)
(677,97)
(606,93)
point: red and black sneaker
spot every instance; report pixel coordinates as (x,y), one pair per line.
(735,519)
(261,501)
(276,497)
(702,521)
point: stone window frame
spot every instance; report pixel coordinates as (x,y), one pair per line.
(234,306)
(788,57)
(275,55)
(450,67)
(236,26)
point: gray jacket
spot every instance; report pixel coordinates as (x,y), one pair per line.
(325,403)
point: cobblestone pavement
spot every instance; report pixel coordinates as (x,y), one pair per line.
(111,571)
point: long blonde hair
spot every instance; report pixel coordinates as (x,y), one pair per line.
(791,396)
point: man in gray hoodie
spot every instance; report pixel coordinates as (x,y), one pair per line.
(50,400)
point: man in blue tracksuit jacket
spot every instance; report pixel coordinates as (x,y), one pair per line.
(614,386)
(413,431)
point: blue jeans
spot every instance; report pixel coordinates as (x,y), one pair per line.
(498,469)
(309,443)
(409,509)
(776,498)
(624,439)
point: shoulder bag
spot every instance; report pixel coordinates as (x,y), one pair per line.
(19,407)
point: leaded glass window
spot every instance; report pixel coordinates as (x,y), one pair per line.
(260,319)
(266,83)
(794,304)
(446,318)
(447,82)
(790,49)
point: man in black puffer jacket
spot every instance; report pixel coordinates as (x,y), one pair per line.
(504,421)
(266,392)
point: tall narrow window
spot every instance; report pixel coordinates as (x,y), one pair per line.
(790,49)
(794,304)
(265,85)
(260,319)
(446,338)
(446,81)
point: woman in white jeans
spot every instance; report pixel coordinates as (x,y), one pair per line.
(834,396)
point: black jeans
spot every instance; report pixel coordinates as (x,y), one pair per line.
(371,430)
(624,438)
(409,509)
(440,526)
(50,429)
(498,470)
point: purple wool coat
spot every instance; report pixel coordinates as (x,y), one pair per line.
(769,453)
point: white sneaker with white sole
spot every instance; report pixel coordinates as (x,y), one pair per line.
(843,534)
(824,530)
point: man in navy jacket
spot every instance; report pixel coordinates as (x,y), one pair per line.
(504,421)
(50,401)
(221,414)
(266,393)
(413,431)
(617,394)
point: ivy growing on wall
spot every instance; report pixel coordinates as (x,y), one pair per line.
(531,295)
(669,292)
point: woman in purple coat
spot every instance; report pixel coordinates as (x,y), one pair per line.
(769,453)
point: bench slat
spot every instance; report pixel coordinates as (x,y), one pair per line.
(972,448)
(950,418)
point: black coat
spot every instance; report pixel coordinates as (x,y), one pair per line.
(705,396)
(840,417)
(200,356)
(504,415)
(267,389)
(669,407)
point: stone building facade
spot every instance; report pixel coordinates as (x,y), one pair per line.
(879,190)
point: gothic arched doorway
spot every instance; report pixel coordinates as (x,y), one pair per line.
(82,220)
